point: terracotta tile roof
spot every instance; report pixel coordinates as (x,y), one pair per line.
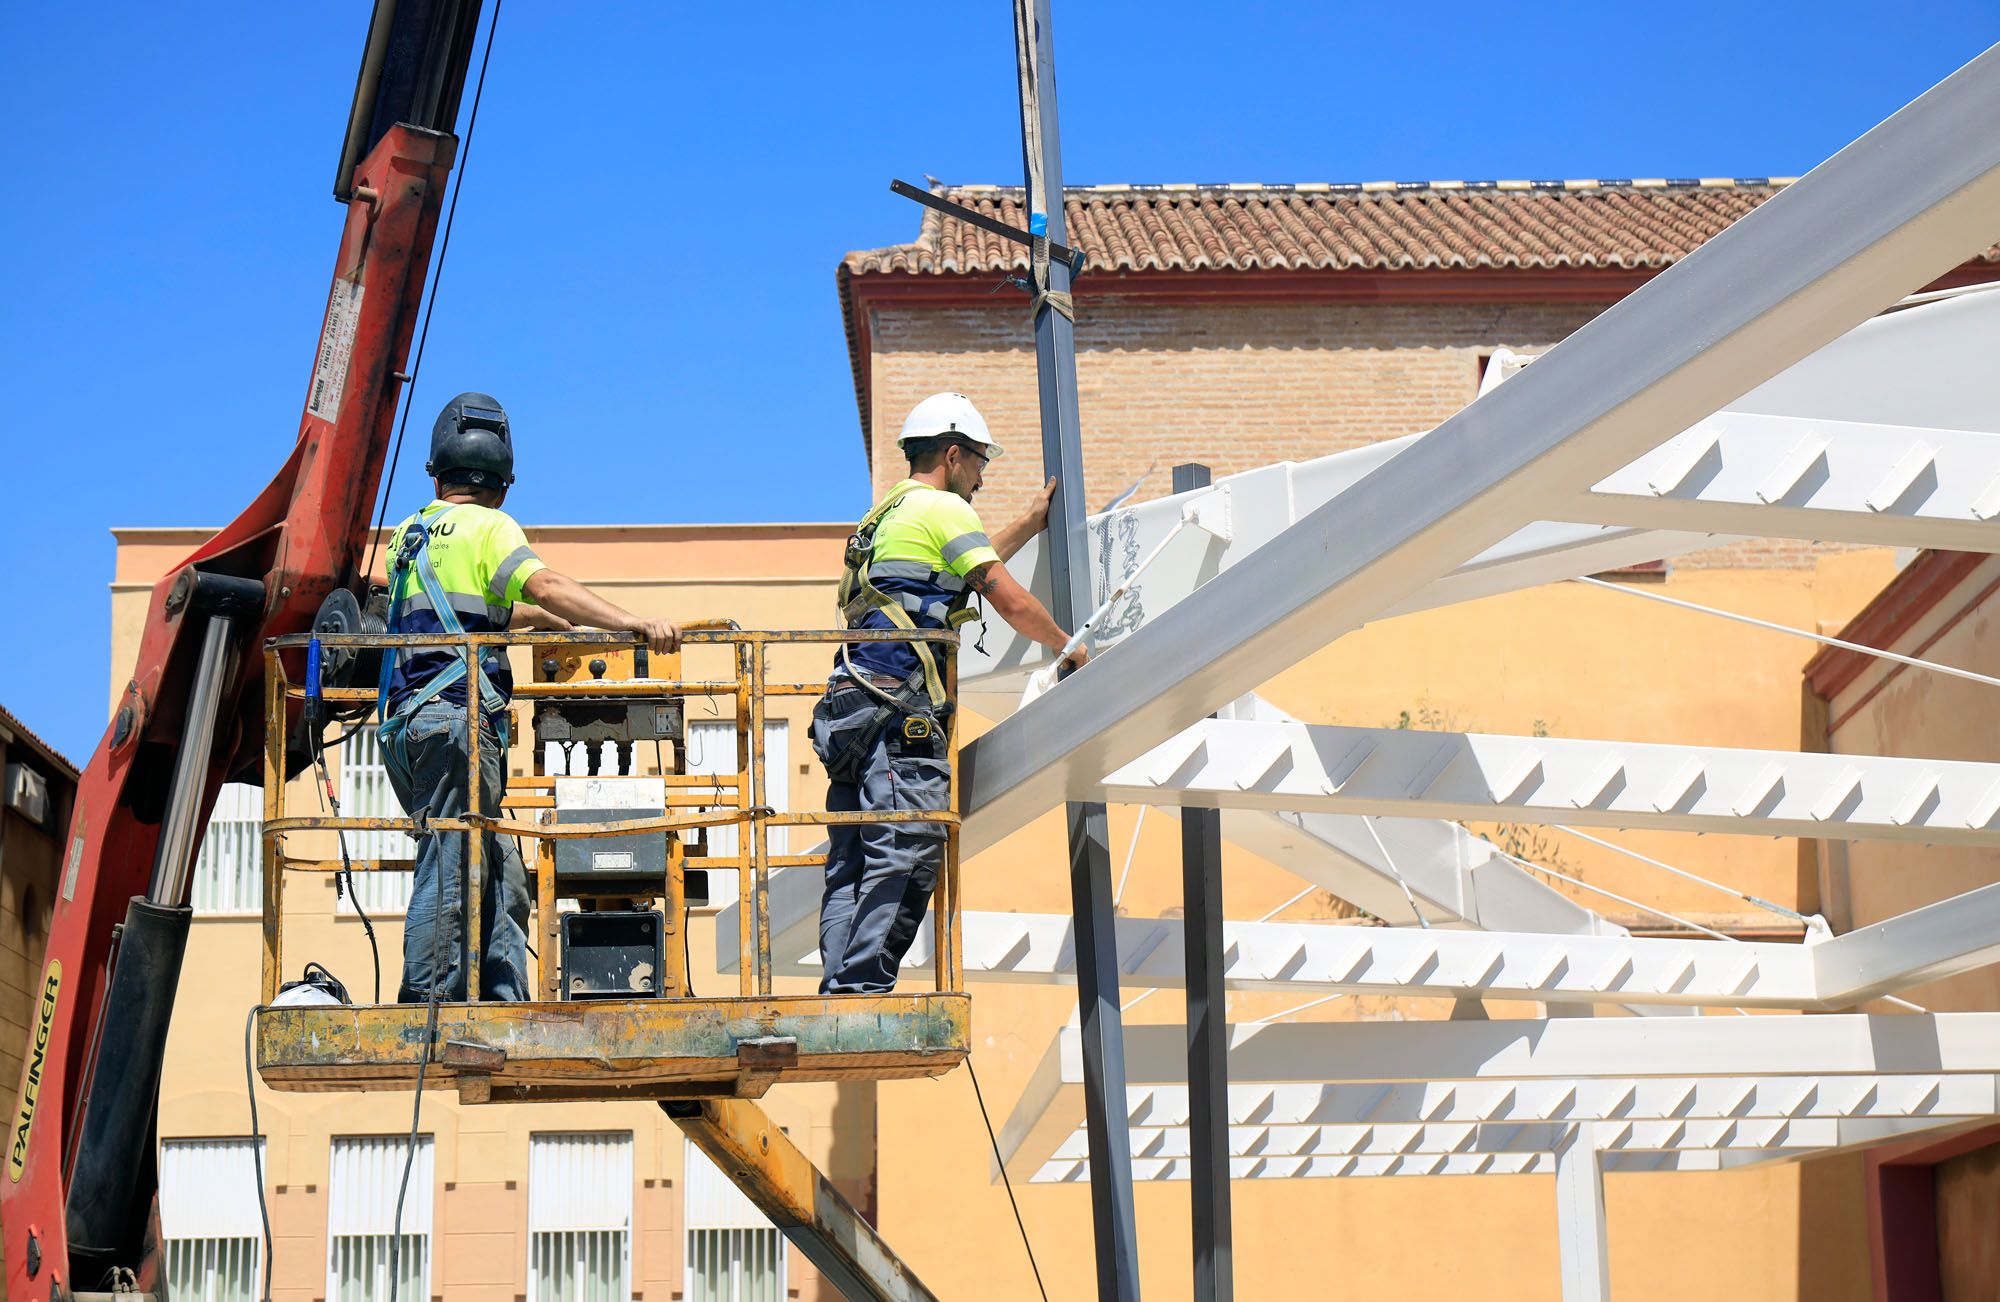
(1381,226)
(1615,229)
(12,723)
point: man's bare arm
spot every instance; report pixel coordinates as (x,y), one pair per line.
(1020,608)
(567,599)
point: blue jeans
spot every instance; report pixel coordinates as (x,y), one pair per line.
(879,877)
(429,775)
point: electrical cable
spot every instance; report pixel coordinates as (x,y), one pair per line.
(430,306)
(423,1062)
(1912,662)
(1629,853)
(1007,1183)
(409,394)
(257,1146)
(346,875)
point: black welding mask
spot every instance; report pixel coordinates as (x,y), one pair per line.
(471,444)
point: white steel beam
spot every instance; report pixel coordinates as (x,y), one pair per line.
(1581,1238)
(1739,1098)
(1795,477)
(1328,958)
(1309,1152)
(1531,1137)
(1531,1068)
(1380,864)
(1592,1047)
(1903,204)
(1419,1164)
(1940,940)
(1927,944)
(1232,763)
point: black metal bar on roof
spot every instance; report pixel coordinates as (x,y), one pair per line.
(973,217)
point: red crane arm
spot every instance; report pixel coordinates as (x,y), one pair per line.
(300,539)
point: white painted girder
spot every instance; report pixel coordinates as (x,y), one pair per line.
(1939,940)
(1559,1053)
(1230,763)
(1580,1048)
(1528,1137)
(1324,1152)
(1903,204)
(1798,477)
(1416,1164)
(1631,1098)
(1927,944)
(1379,864)
(1325,958)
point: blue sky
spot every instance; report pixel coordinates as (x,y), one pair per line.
(657,196)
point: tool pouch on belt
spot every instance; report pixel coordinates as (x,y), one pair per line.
(850,722)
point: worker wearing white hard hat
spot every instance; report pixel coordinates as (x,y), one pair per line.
(914,562)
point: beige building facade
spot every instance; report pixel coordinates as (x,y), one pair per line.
(1234,366)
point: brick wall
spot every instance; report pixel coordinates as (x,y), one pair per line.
(1232,385)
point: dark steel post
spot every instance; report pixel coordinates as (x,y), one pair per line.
(1113,1219)
(1207,1029)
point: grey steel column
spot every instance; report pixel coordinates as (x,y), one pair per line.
(1112,1216)
(1207,1030)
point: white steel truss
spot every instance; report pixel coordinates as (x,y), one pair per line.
(1234,763)
(1288,1078)
(1270,1152)
(1425,1164)
(1905,203)
(1632,1098)
(1324,958)
(1792,477)
(1943,391)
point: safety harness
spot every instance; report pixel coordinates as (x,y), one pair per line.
(415,553)
(858,597)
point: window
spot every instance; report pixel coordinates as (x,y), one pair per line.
(229,871)
(580,1217)
(366,793)
(363,1177)
(711,748)
(208,1216)
(733,1253)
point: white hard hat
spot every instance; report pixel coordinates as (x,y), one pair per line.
(948,413)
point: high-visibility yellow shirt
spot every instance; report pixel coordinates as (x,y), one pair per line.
(929,530)
(483,562)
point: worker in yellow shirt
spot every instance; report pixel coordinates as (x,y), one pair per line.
(914,562)
(462,565)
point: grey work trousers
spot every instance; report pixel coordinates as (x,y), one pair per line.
(427,769)
(879,877)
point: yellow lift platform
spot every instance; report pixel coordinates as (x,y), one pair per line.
(587,1036)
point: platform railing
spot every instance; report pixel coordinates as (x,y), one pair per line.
(748,807)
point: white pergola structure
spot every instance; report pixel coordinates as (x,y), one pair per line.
(1758,388)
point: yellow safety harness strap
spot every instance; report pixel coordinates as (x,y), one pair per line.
(858,595)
